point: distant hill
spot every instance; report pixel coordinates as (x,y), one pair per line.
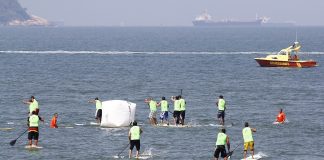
(11,10)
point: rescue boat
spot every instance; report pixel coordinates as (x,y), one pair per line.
(286,58)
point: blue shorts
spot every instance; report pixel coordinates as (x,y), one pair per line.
(164,115)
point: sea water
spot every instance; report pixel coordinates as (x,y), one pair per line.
(65,67)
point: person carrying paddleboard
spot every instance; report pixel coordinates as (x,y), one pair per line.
(153,108)
(164,111)
(33,131)
(222,139)
(221,104)
(182,109)
(98,109)
(177,109)
(248,139)
(281,117)
(33,105)
(134,136)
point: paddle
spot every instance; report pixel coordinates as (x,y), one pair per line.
(13,142)
(122,150)
(231,152)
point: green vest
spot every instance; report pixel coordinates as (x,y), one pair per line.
(135,133)
(152,106)
(35,103)
(182,104)
(177,106)
(33,121)
(31,108)
(221,139)
(221,104)
(247,134)
(164,106)
(98,105)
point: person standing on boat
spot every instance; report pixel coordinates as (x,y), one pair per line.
(221,104)
(248,139)
(222,139)
(98,108)
(164,111)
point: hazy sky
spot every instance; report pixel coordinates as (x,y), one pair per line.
(172,12)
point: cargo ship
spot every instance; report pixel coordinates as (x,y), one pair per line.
(205,20)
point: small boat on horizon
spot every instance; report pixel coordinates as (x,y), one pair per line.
(286,58)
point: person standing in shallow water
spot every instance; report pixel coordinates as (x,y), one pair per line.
(221,104)
(134,136)
(98,108)
(54,121)
(281,117)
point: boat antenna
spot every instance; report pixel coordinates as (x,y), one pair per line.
(296,40)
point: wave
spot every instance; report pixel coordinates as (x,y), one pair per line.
(138,52)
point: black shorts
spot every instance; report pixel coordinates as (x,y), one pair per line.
(221,114)
(33,135)
(183,114)
(176,114)
(99,114)
(136,143)
(221,150)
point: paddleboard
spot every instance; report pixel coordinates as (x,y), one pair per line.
(33,147)
(175,126)
(5,129)
(79,124)
(95,123)
(257,156)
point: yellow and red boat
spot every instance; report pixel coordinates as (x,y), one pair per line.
(286,58)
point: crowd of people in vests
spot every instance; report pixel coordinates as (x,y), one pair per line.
(179,113)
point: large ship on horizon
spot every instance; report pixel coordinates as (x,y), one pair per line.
(205,20)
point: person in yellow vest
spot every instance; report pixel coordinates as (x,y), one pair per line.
(98,108)
(153,108)
(248,139)
(177,109)
(33,131)
(134,136)
(221,104)
(33,105)
(182,109)
(222,139)
(164,111)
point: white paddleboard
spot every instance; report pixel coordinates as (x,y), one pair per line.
(175,126)
(5,129)
(95,123)
(257,156)
(33,147)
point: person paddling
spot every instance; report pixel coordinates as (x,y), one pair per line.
(33,105)
(222,139)
(281,117)
(221,104)
(164,111)
(176,110)
(248,139)
(33,131)
(134,136)
(98,109)
(54,121)
(153,108)
(182,109)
